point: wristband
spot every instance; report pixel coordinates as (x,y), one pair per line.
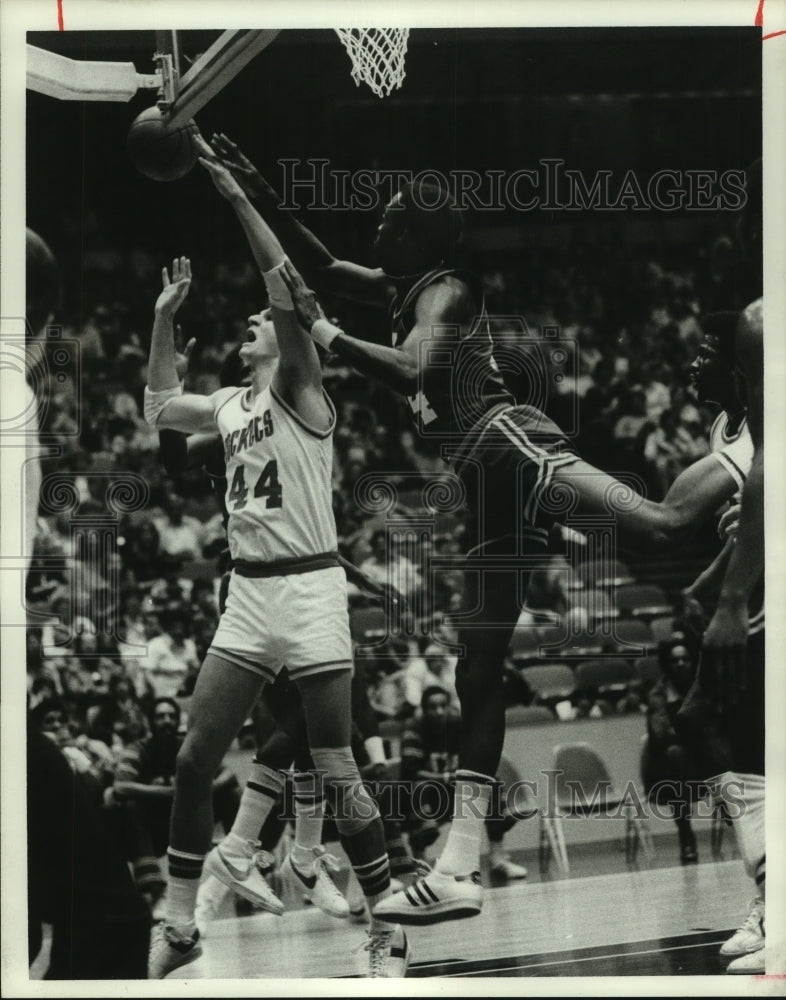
(324,333)
(277,290)
(156,402)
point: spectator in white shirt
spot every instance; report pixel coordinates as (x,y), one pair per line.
(181,535)
(436,667)
(390,567)
(171,657)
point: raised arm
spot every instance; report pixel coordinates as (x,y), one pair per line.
(444,306)
(341,277)
(165,404)
(298,376)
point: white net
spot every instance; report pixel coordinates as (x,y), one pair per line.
(377,56)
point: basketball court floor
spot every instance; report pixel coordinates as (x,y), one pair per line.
(658,922)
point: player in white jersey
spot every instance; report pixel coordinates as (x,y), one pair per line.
(286,603)
(733,651)
(734,644)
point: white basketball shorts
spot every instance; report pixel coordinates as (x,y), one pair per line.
(299,621)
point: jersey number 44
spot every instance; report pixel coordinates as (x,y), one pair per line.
(266,486)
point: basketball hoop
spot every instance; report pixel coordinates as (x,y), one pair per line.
(377,56)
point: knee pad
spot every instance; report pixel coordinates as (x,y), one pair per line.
(353,806)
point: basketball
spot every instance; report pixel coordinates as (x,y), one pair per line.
(158,151)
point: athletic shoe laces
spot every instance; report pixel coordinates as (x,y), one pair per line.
(327,861)
(378,948)
(753,920)
(263,860)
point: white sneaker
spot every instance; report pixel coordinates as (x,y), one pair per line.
(750,935)
(505,868)
(243,874)
(388,953)
(318,887)
(434,898)
(748,965)
(210,895)
(169,949)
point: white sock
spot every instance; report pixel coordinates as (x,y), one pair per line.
(461,855)
(185,871)
(309,816)
(497,853)
(263,788)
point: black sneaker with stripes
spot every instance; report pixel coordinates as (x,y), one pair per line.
(434,898)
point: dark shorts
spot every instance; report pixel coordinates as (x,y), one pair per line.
(508,471)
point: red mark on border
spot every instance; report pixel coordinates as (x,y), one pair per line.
(60,15)
(759,23)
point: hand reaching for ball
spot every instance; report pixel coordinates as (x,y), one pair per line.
(174,292)
(238,164)
(222,178)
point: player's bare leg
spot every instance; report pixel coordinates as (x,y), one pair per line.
(327,701)
(219,706)
(453,889)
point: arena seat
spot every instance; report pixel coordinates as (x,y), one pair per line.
(598,604)
(557,642)
(662,628)
(528,715)
(648,670)
(607,675)
(368,623)
(616,574)
(524,645)
(627,633)
(642,600)
(550,682)
(581,772)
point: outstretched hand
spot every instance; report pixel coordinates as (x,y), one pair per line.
(729,522)
(239,165)
(174,292)
(307,308)
(693,613)
(220,175)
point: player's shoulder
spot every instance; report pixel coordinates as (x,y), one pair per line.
(452,294)
(221,397)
